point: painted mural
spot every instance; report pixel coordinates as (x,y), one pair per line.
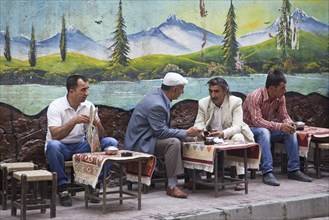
(126,46)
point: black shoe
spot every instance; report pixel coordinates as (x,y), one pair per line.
(270,179)
(65,198)
(299,176)
(95,194)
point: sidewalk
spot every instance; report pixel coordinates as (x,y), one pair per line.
(290,200)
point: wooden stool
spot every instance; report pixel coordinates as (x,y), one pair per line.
(41,177)
(6,170)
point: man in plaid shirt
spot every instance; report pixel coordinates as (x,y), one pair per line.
(266,114)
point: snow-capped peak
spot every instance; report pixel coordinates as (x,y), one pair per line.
(173,18)
(72,29)
(300,13)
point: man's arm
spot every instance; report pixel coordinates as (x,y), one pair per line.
(255,110)
(60,132)
(282,111)
(237,119)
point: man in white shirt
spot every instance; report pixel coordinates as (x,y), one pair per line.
(67,118)
(221,115)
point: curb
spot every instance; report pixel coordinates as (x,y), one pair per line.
(294,208)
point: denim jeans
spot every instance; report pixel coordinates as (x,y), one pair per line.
(264,138)
(57,153)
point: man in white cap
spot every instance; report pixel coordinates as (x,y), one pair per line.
(149,130)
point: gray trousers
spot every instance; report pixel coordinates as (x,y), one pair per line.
(170,149)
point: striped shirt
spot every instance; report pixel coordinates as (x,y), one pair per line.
(259,111)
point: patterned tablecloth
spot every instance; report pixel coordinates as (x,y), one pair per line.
(88,166)
(305,136)
(197,155)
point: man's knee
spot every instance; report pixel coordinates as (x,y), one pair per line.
(53,147)
(263,134)
(174,145)
(238,138)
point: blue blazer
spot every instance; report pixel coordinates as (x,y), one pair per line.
(150,120)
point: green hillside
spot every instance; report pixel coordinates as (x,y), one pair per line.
(312,56)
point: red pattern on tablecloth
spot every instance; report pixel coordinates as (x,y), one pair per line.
(304,138)
(196,155)
(88,166)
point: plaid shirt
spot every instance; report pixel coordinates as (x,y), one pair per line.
(259,111)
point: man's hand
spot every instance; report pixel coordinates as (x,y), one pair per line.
(216,133)
(193,131)
(288,128)
(97,121)
(82,119)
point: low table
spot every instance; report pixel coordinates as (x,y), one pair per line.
(197,155)
(139,168)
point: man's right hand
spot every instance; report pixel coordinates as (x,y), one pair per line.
(82,119)
(193,131)
(288,128)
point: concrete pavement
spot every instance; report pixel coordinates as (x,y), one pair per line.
(290,200)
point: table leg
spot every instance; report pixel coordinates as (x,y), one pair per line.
(139,184)
(216,174)
(222,168)
(193,180)
(120,183)
(86,196)
(245,171)
(317,160)
(104,186)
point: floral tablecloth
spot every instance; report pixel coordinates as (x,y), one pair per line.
(305,136)
(88,166)
(197,155)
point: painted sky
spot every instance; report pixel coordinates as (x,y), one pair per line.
(45,15)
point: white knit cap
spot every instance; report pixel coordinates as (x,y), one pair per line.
(174,79)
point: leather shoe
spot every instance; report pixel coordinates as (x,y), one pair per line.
(298,175)
(176,192)
(270,179)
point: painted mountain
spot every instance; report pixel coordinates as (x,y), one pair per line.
(174,37)
(77,42)
(302,20)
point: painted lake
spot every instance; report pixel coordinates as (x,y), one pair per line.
(33,98)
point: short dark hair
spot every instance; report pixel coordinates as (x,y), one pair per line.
(218,81)
(72,81)
(274,78)
(165,87)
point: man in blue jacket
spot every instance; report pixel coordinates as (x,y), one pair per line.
(149,130)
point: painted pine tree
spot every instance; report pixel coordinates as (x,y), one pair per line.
(121,47)
(62,43)
(7,45)
(32,52)
(284,30)
(230,45)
